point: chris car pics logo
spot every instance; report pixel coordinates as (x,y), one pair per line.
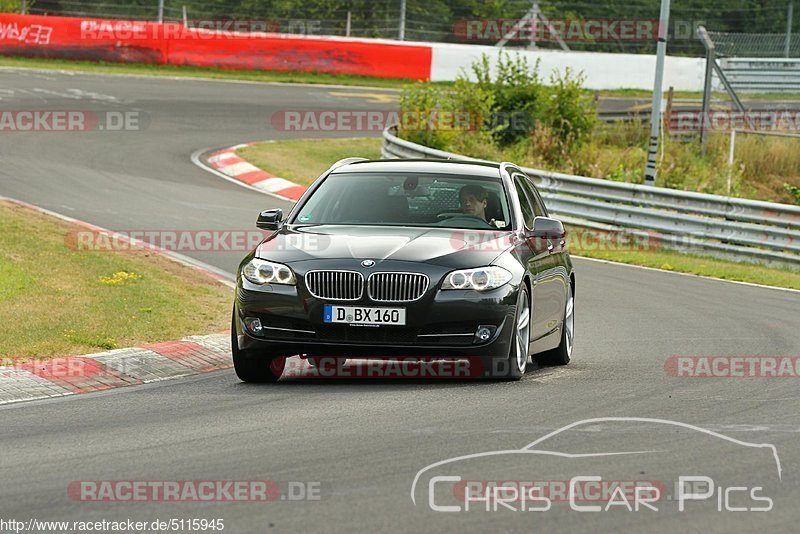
(542,476)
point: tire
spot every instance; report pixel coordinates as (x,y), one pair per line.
(516,364)
(562,354)
(253,367)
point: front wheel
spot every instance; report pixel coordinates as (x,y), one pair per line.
(515,366)
(562,354)
(255,368)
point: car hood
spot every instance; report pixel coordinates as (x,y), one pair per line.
(441,246)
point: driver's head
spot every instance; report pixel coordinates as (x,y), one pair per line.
(473,200)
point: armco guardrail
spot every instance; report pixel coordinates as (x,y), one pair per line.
(762,74)
(744,229)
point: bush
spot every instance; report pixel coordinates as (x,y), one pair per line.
(508,108)
(14,6)
(569,113)
(440,118)
(519,96)
(421,99)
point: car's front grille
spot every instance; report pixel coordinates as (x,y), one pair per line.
(396,287)
(335,285)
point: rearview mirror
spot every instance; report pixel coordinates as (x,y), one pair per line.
(269,219)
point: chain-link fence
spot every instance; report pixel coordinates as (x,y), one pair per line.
(609,26)
(763,45)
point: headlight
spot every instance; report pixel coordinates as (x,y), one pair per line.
(262,272)
(479,279)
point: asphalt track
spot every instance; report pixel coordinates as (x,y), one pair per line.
(363,441)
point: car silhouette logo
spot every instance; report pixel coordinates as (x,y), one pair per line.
(367,263)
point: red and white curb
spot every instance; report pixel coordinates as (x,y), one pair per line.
(72,375)
(230,164)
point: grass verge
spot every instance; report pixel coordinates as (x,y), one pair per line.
(58,301)
(302,160)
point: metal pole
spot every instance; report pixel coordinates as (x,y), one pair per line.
(658,90)
(402,34)
(534,22)
(731,149)
(710,59)
(23,7)
(789,17)
(185,17)
(160,11)
(347,28)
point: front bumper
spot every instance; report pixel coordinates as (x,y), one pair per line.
(440,324)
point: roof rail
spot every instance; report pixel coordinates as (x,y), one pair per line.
(346,161)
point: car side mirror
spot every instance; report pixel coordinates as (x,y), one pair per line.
(269,219)
(547,228)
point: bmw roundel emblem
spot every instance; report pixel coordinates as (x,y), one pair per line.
(367,263)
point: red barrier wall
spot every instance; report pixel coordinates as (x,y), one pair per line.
(148,42)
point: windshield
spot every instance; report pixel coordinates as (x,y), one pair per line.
(408,199)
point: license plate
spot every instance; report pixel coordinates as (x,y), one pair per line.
(362,315)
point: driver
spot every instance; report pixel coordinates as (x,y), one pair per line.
(474,199)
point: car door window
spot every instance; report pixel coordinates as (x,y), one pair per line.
(524,201)
(536,201)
